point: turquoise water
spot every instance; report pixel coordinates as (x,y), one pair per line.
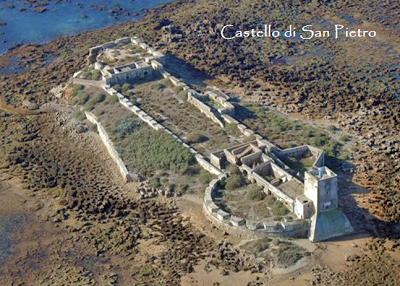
(62,19)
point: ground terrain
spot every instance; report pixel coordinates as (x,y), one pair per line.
(60,179)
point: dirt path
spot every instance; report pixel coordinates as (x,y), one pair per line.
(21,111)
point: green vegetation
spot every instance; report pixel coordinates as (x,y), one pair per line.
(205,177)
(195,137)
(118,88)
(256,193)
(111,99)
(126,126)
(178,89)
(183,94)
(81,98)
(285,132)
(288,253)
(147,151)
(258,245)
(158,86)
(231,127)
(91,74)
(233,182)
(100,97)
(79,115)
(279,209)
(281,252)
(299,165)
(125,89)
(76,88)
(154,183)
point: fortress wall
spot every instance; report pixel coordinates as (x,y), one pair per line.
(278,193)
(229,119)
(123,41)
(110,147)
(281,172)
(123,77)
(294,152)
(227,221)
(204,108)
(208,166)
(93,53)
(87,82)
(319,162)
(223,94)
(250,159)
(159,127)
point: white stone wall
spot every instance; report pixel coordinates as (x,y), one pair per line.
(110,147)
(298,228)
(204,108)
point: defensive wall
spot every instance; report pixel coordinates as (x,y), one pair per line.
(292,228)
(149,120)
(110,147)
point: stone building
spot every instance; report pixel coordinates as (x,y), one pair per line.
(312,196)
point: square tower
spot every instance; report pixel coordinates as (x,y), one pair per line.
(321,186)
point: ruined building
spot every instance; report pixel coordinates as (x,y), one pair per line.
(311,196)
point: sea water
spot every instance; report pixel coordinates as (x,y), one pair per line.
(62,19)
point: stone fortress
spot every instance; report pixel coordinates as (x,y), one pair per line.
(312,197)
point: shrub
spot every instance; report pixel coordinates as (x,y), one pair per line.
(154,183)
(165,82)
(256,193)
(205,177)
(85,74)
(76,88)
(79,115)
(178,89)
(126,126)
(333,148)
(279,209)
(95,75)
(233,169)
(112,99)
(195,137)
(183,94)
(182,189)
(117,87)
(309,133)
(231,127)
(257,246)
(288,253)
(95,100)
(234,182)
(319,141)
(81,98)
(345,138)
(262,209)
(158,86)
(150,151)
(125,87)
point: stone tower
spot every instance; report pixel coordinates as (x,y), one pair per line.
(321,186)
(328,221)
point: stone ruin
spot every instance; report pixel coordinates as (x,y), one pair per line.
(312,197)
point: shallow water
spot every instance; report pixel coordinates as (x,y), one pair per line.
(61,19)
(9,226)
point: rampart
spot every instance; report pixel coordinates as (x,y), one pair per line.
(204,108)
(110,147)
(296,228)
